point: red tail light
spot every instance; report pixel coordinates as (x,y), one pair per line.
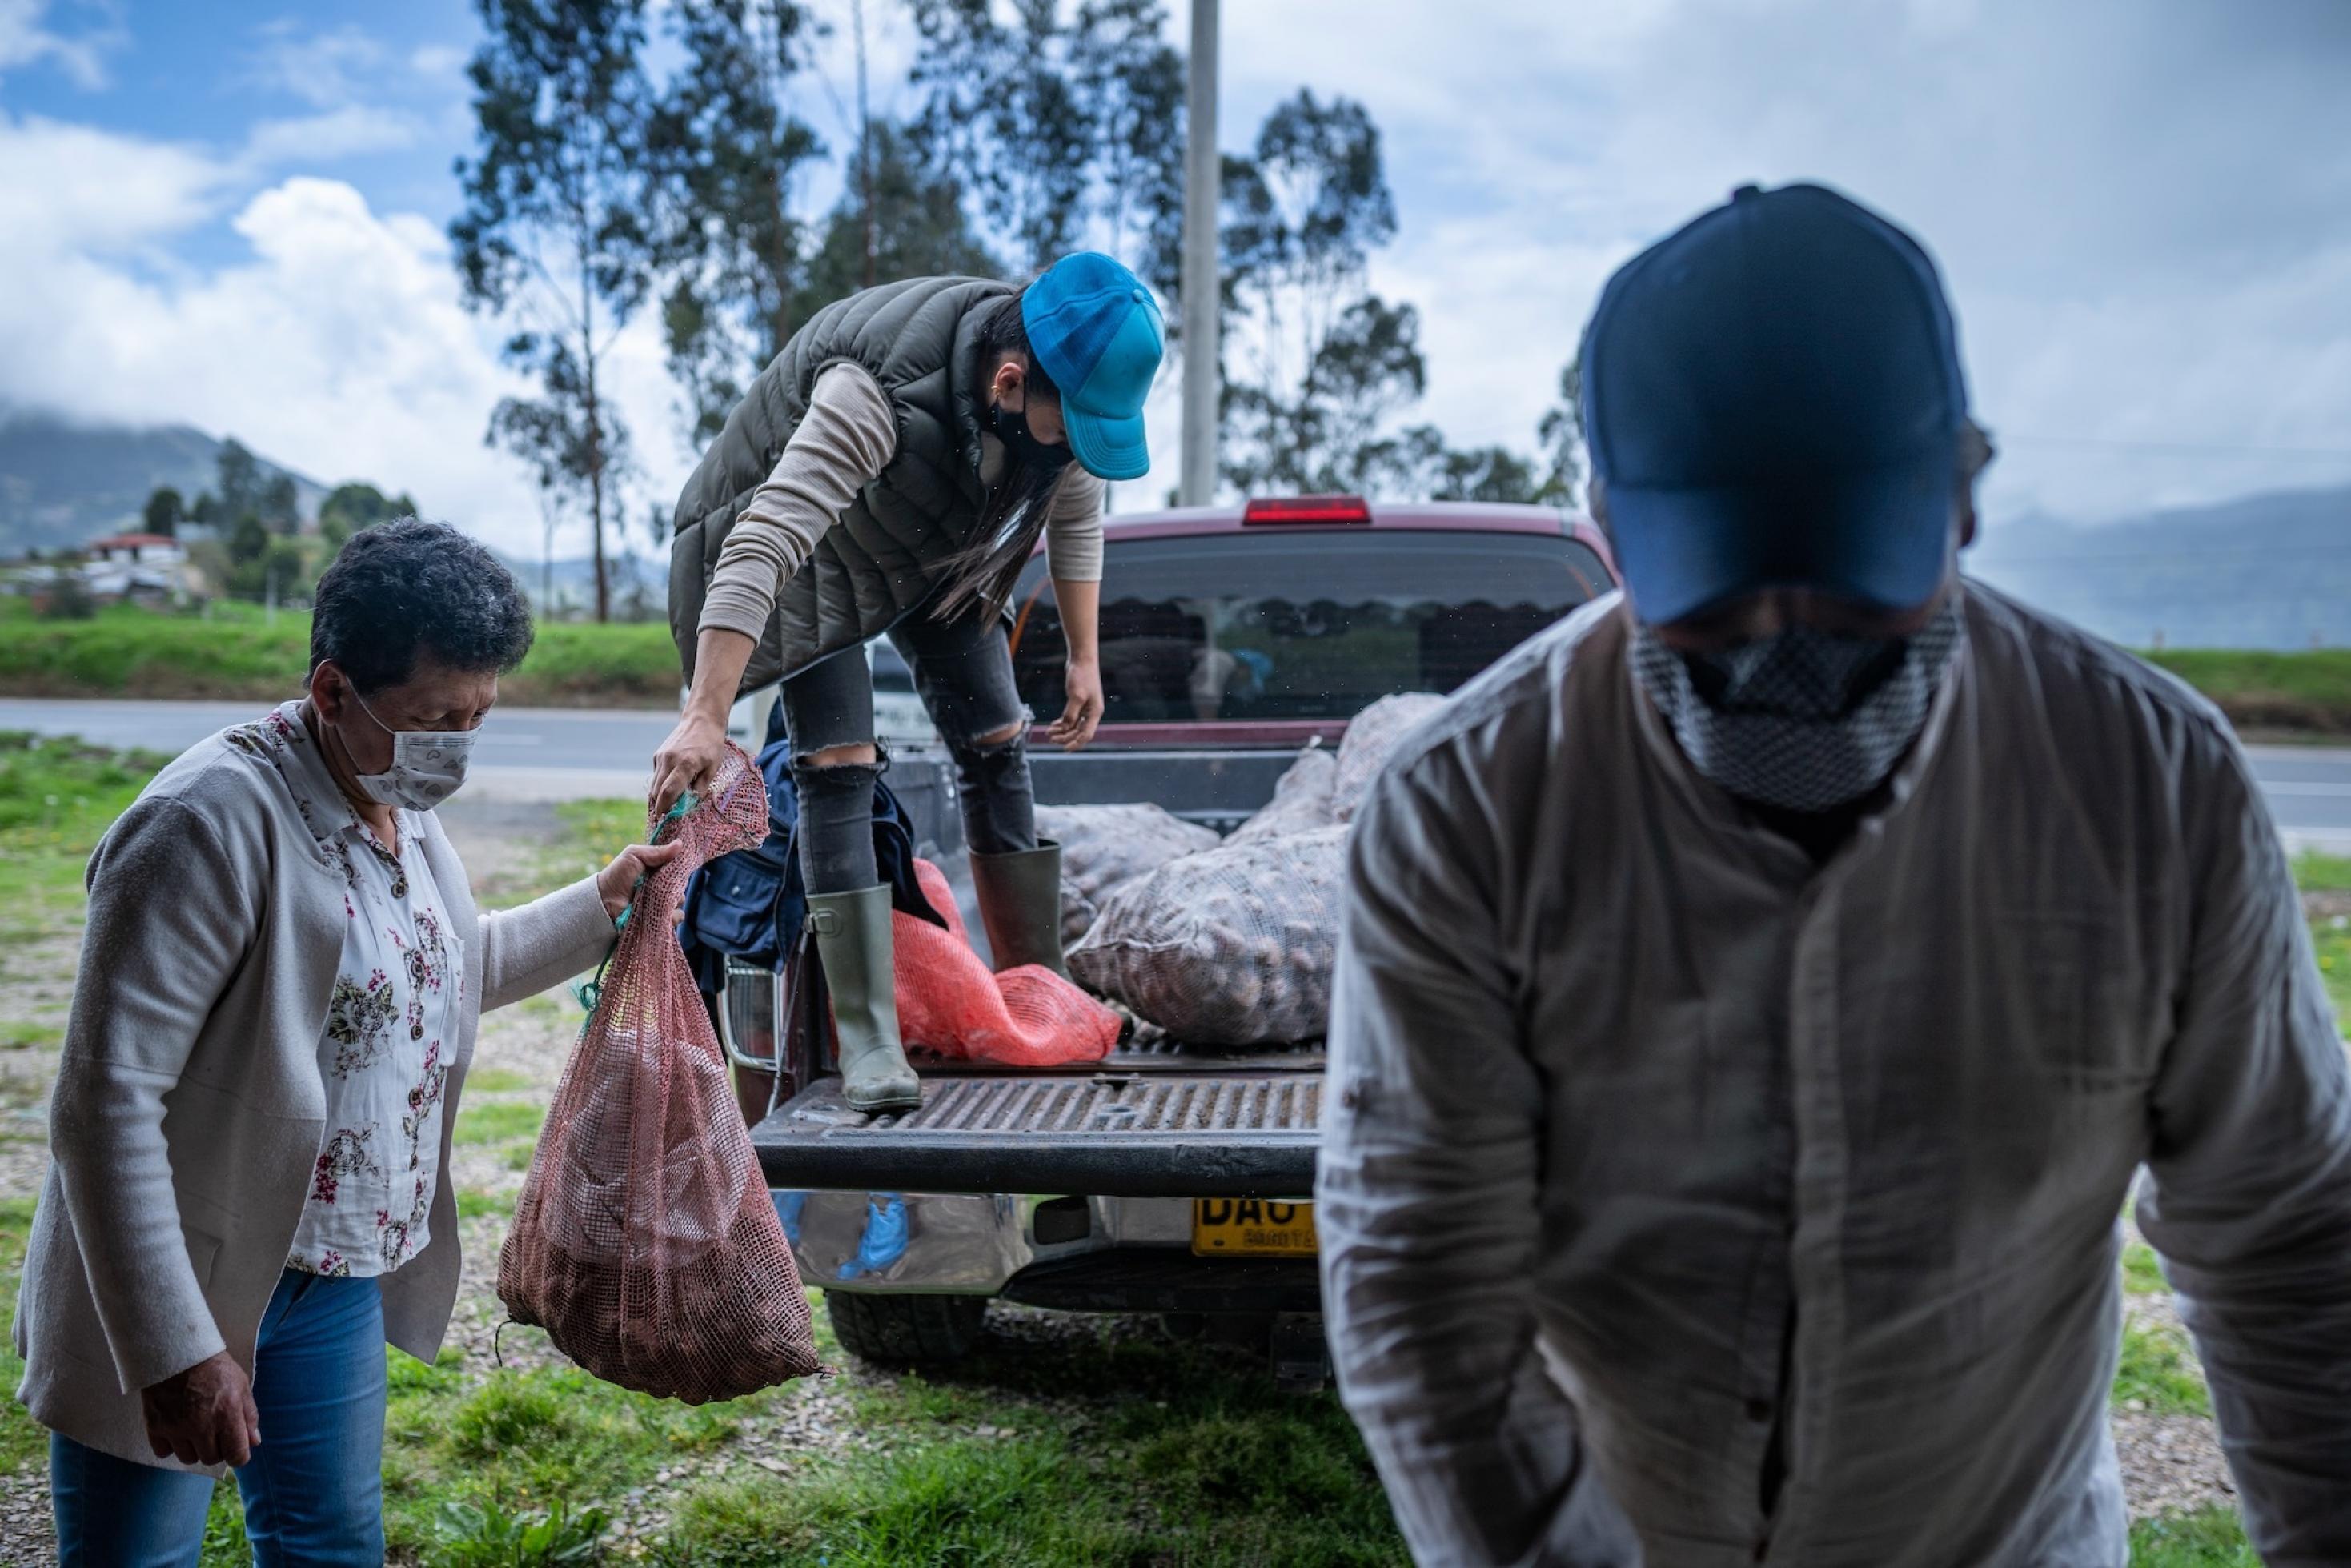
(1307,509)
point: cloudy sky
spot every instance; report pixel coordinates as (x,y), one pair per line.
(232,214)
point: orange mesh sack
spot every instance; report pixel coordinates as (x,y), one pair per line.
(950,1003)
(645,1242)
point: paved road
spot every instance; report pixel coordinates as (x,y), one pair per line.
(574,753)
(525,754)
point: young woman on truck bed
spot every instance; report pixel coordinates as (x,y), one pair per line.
(891,472)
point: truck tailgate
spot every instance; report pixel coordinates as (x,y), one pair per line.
(1240,1130)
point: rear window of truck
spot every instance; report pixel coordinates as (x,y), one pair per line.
(1266,627)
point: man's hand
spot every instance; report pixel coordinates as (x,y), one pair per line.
(617,883)
(688,757)
(204,1416)
(1083,714)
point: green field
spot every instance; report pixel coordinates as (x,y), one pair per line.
(2260,691)
(239,651)
(234,652)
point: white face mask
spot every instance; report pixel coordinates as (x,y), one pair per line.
(427,765)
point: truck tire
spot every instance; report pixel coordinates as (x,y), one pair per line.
(905,1330)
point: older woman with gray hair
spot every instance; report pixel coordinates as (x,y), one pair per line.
(280,986)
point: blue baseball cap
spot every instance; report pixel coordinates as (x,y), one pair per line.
(1097,332)
(1773,398)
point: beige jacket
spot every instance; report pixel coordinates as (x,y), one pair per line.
(189,1107)
(848,438)
(1660,1160)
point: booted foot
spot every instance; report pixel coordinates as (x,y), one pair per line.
(853,939)
(1020,906)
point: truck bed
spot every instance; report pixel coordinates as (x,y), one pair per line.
(1156,1122)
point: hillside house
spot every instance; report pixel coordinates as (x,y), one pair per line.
(158,551)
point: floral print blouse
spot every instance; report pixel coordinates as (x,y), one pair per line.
(390,1025)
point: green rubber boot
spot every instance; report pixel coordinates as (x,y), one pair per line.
(852,938)
(1020,906)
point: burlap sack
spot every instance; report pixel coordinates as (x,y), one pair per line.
(1231,947)
(1370,740)
(1105,847)
(1301,804)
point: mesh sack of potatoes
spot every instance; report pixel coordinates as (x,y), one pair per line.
(1105,847)
(1231,947)
(644,1241)
(1301,804)
(1371,737)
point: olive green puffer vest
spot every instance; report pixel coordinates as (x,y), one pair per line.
(919,339)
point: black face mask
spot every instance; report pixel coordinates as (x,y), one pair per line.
(1012,429)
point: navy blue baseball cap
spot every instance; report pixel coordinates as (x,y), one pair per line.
(1773,398)
(1097,331)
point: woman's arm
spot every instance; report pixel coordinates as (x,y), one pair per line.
(1073,554)
(171,917)
(847,437)
(1082,681)
(544,943)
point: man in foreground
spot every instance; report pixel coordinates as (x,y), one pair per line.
(1758,992)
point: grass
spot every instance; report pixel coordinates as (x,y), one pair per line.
(2209,1538)
(2316,872)
(57,799)
(499,1121)
(2142,1276)
(2305,691)
(2330,936)
(2158,1373)
(474,1203)
(1102,1447)
(236,652)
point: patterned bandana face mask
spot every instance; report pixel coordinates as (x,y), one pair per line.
(1803,720)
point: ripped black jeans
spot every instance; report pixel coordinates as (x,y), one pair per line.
(963,672)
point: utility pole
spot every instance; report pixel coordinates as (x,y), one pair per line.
(1198,487)
(865,140)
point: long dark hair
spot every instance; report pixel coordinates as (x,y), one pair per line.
(986,568)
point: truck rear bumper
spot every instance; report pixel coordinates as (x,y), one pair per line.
(1236,1133)
(1074,1254)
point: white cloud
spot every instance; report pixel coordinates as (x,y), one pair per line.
(321,69)
(70,187)
(342,132)
(337,345)
(438,60)
(25,38)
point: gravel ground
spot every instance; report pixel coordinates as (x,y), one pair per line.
(2169,1464)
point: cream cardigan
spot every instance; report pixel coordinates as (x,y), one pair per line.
(189,1108)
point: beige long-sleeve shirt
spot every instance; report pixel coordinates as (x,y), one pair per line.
(1648,1138)
(847,438)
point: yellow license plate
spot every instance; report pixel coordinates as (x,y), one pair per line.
(1251,1228)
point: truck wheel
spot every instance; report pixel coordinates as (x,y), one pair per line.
(905,1330)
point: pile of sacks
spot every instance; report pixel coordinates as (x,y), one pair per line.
(1225,941)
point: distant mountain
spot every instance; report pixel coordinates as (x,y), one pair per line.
(2264,572)
(64,484)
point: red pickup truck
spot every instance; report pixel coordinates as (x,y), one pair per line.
(1168,1179)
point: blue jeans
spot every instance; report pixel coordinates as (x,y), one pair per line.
(314,1488)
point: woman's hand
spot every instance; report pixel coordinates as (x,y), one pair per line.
(689,756)
(204,1415)
(617,883)
(1083,714)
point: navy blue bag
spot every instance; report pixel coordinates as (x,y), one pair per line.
(752,903)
